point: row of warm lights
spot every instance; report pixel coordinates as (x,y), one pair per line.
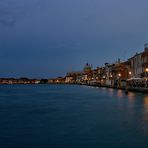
(111,76)
(120,74)
(129,73)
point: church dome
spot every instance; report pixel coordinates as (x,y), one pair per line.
(87,68)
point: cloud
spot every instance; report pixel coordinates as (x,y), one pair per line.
(7,18)
(12,11)
(8,12)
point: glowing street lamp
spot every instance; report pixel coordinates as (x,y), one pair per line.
(119,81)
(130,73)
(146,76)
(104,77)
(146,69)
(146,72)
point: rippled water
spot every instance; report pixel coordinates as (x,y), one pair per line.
(66,116)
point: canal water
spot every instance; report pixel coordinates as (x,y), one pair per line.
(67,116)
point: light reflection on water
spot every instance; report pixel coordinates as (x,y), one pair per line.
(111,91)
(145,110)
(146,103)
(120,93)
(131,97)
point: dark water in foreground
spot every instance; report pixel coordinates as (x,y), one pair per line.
(66,116)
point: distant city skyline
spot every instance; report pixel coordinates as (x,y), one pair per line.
(45,39)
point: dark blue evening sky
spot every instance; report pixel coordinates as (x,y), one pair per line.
(47,38)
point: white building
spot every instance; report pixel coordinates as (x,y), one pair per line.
(136,65)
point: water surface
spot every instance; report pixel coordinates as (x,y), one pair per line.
(67,116)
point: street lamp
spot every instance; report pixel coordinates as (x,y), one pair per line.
(111,78)
(104,77)
(119,80)
(130,72)
(146,72)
